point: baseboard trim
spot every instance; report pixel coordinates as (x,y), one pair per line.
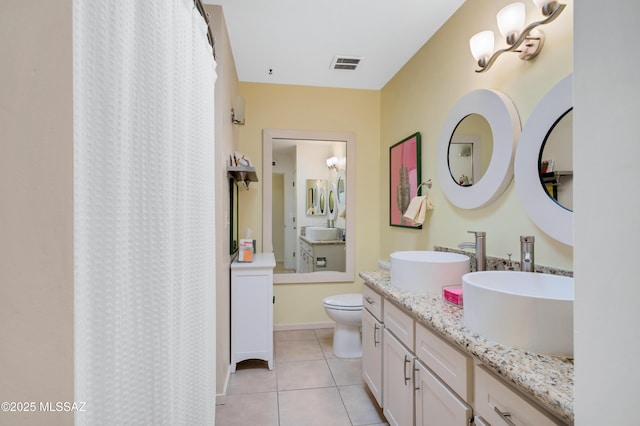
(221,398)
(305,326)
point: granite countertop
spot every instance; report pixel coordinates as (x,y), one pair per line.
(548,380)
(320,243)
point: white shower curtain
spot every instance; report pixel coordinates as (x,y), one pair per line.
(143,213)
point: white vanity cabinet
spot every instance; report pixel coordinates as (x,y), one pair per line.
(397,381)
(372,335)
(443,381)
(499,405)
(252,310)
(398,364)
(317,256)
(436,403)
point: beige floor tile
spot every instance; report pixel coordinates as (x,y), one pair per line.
(322,333)
(303,375)
(326,343)
(361,405)
(298,350)
(252,377)
(258,409)
(346,371)
(312,407)
(294,335)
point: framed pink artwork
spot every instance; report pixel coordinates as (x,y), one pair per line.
(404,178)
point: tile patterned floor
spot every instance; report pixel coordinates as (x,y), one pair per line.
(308,386)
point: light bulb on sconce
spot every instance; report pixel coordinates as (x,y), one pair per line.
(511,21)
(482,46)
(332,163)
(527,41)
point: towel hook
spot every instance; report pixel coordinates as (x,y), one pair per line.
(428,184)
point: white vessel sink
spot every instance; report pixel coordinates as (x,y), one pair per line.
(524,310)
(321,233)
(426,272)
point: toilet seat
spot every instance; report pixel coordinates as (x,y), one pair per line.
(344,302)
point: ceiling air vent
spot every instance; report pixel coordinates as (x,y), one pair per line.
(341,62)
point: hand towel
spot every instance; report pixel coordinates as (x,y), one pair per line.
(418,208)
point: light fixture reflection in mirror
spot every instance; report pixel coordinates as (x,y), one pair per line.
(308,153)
(470,150)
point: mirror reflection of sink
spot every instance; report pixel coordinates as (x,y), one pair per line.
(321,233)
(523,310)
(426,272)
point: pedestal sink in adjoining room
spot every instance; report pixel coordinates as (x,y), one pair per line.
(523,310)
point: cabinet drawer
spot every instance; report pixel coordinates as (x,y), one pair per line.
(491,395)
(372,301)
(399,323)
(451,365)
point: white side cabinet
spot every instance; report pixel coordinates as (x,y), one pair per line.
(252,310)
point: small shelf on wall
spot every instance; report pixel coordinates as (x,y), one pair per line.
(555,177)
(244,174)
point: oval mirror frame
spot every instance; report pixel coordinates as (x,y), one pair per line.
(503,119)
(549,216)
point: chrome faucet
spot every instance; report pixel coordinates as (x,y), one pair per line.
(527,258)
(480,246)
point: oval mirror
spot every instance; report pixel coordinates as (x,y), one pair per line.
(340,190)
(316,204)
(470,149)
(332,202)
(504,123)
(555,163)
(554,219)
(322,201)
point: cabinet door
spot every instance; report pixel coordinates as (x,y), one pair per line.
(436,404)
(372,332)
(397,385)
(251,317)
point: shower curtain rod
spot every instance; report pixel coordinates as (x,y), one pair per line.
(198,5)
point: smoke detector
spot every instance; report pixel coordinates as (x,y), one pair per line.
(342,62)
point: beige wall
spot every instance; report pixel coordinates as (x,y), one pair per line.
(320,109)
(420,97)
(36,208)
(226,139)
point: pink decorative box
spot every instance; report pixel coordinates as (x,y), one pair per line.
(453,294)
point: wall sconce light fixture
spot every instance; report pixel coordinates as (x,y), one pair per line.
(511,25)
(332,163)
(336,163)
(237,111)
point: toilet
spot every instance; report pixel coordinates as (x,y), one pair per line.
(346,311)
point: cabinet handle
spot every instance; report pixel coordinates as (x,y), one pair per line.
(414,375)
(406,361)
(375,340)
(369,300)
(504,416)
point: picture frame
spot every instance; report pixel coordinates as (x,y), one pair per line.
(404,179)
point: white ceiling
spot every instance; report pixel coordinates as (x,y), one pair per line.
(298,39)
